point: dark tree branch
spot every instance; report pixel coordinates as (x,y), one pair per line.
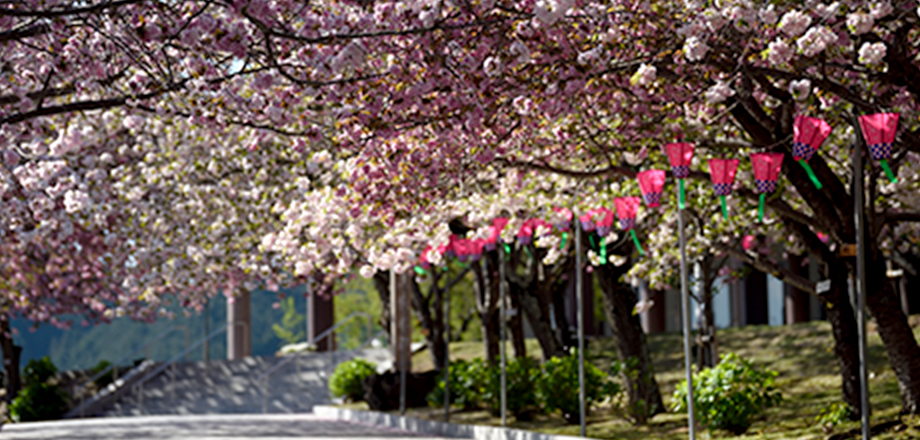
(67,10)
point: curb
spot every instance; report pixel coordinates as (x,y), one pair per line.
(442,429)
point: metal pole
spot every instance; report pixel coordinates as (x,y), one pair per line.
(858,221)
(685,308)
(446,345)
(402,341)
(501,330)
(207,328)
(579,313)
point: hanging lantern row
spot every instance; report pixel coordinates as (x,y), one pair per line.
(879,131)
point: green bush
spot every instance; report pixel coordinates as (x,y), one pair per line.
(106,378)
(39,371)
(833,415)
(467,383)
(729,395)
(348,377)
(39,400)
(522,376)
(558,387)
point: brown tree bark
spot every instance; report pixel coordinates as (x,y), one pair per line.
(11,353)
(900,345)
(534,305)
(429,310)
(382,285)
(516,324)
(486,289)
(840,315)
(643,395)
(708,355)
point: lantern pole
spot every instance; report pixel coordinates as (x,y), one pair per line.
(446,341)
(858,220)
(685,306)
(502,286)
(579,313)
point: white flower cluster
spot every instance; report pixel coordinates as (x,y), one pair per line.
(718,92)
(794,23)
(645,75)
(872,54)
(816,40)
(695,49)
(779,52)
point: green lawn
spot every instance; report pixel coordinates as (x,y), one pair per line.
(801,354)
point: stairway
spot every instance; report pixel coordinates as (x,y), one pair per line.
(233,387)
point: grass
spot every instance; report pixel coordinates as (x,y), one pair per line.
(802,354)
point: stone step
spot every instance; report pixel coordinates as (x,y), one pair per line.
(233,387)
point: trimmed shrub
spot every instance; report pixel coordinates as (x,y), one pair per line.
(39,400)
(348,378)
(730,395)
(558,387)
(467,382)
(522,376)
(39,371)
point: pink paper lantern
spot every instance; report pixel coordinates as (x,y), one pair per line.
(587,221)
(525,232)
(651,182)
(766,170)
(722,172)
(879,130)
(627,209)
(462,249)
(604,221)
(495,233)
(808,134)
(680,155)
(475,248)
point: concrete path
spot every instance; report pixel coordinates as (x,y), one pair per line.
(208,427)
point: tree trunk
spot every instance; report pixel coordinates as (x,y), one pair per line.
(644,397)
(900,344)
(516,324)
(486,303)
(843,325)
(382,284)
(707,355)
(562,323)
(537,312)
(11,353)
(432,324)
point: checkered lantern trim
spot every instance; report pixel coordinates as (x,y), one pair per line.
(603,231)
(765,186)
(722,189)
(652,198)
(681,171)
(627,223)
(880,151)
(802,151)
(587,225)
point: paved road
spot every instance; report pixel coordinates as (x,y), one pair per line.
(208,427)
